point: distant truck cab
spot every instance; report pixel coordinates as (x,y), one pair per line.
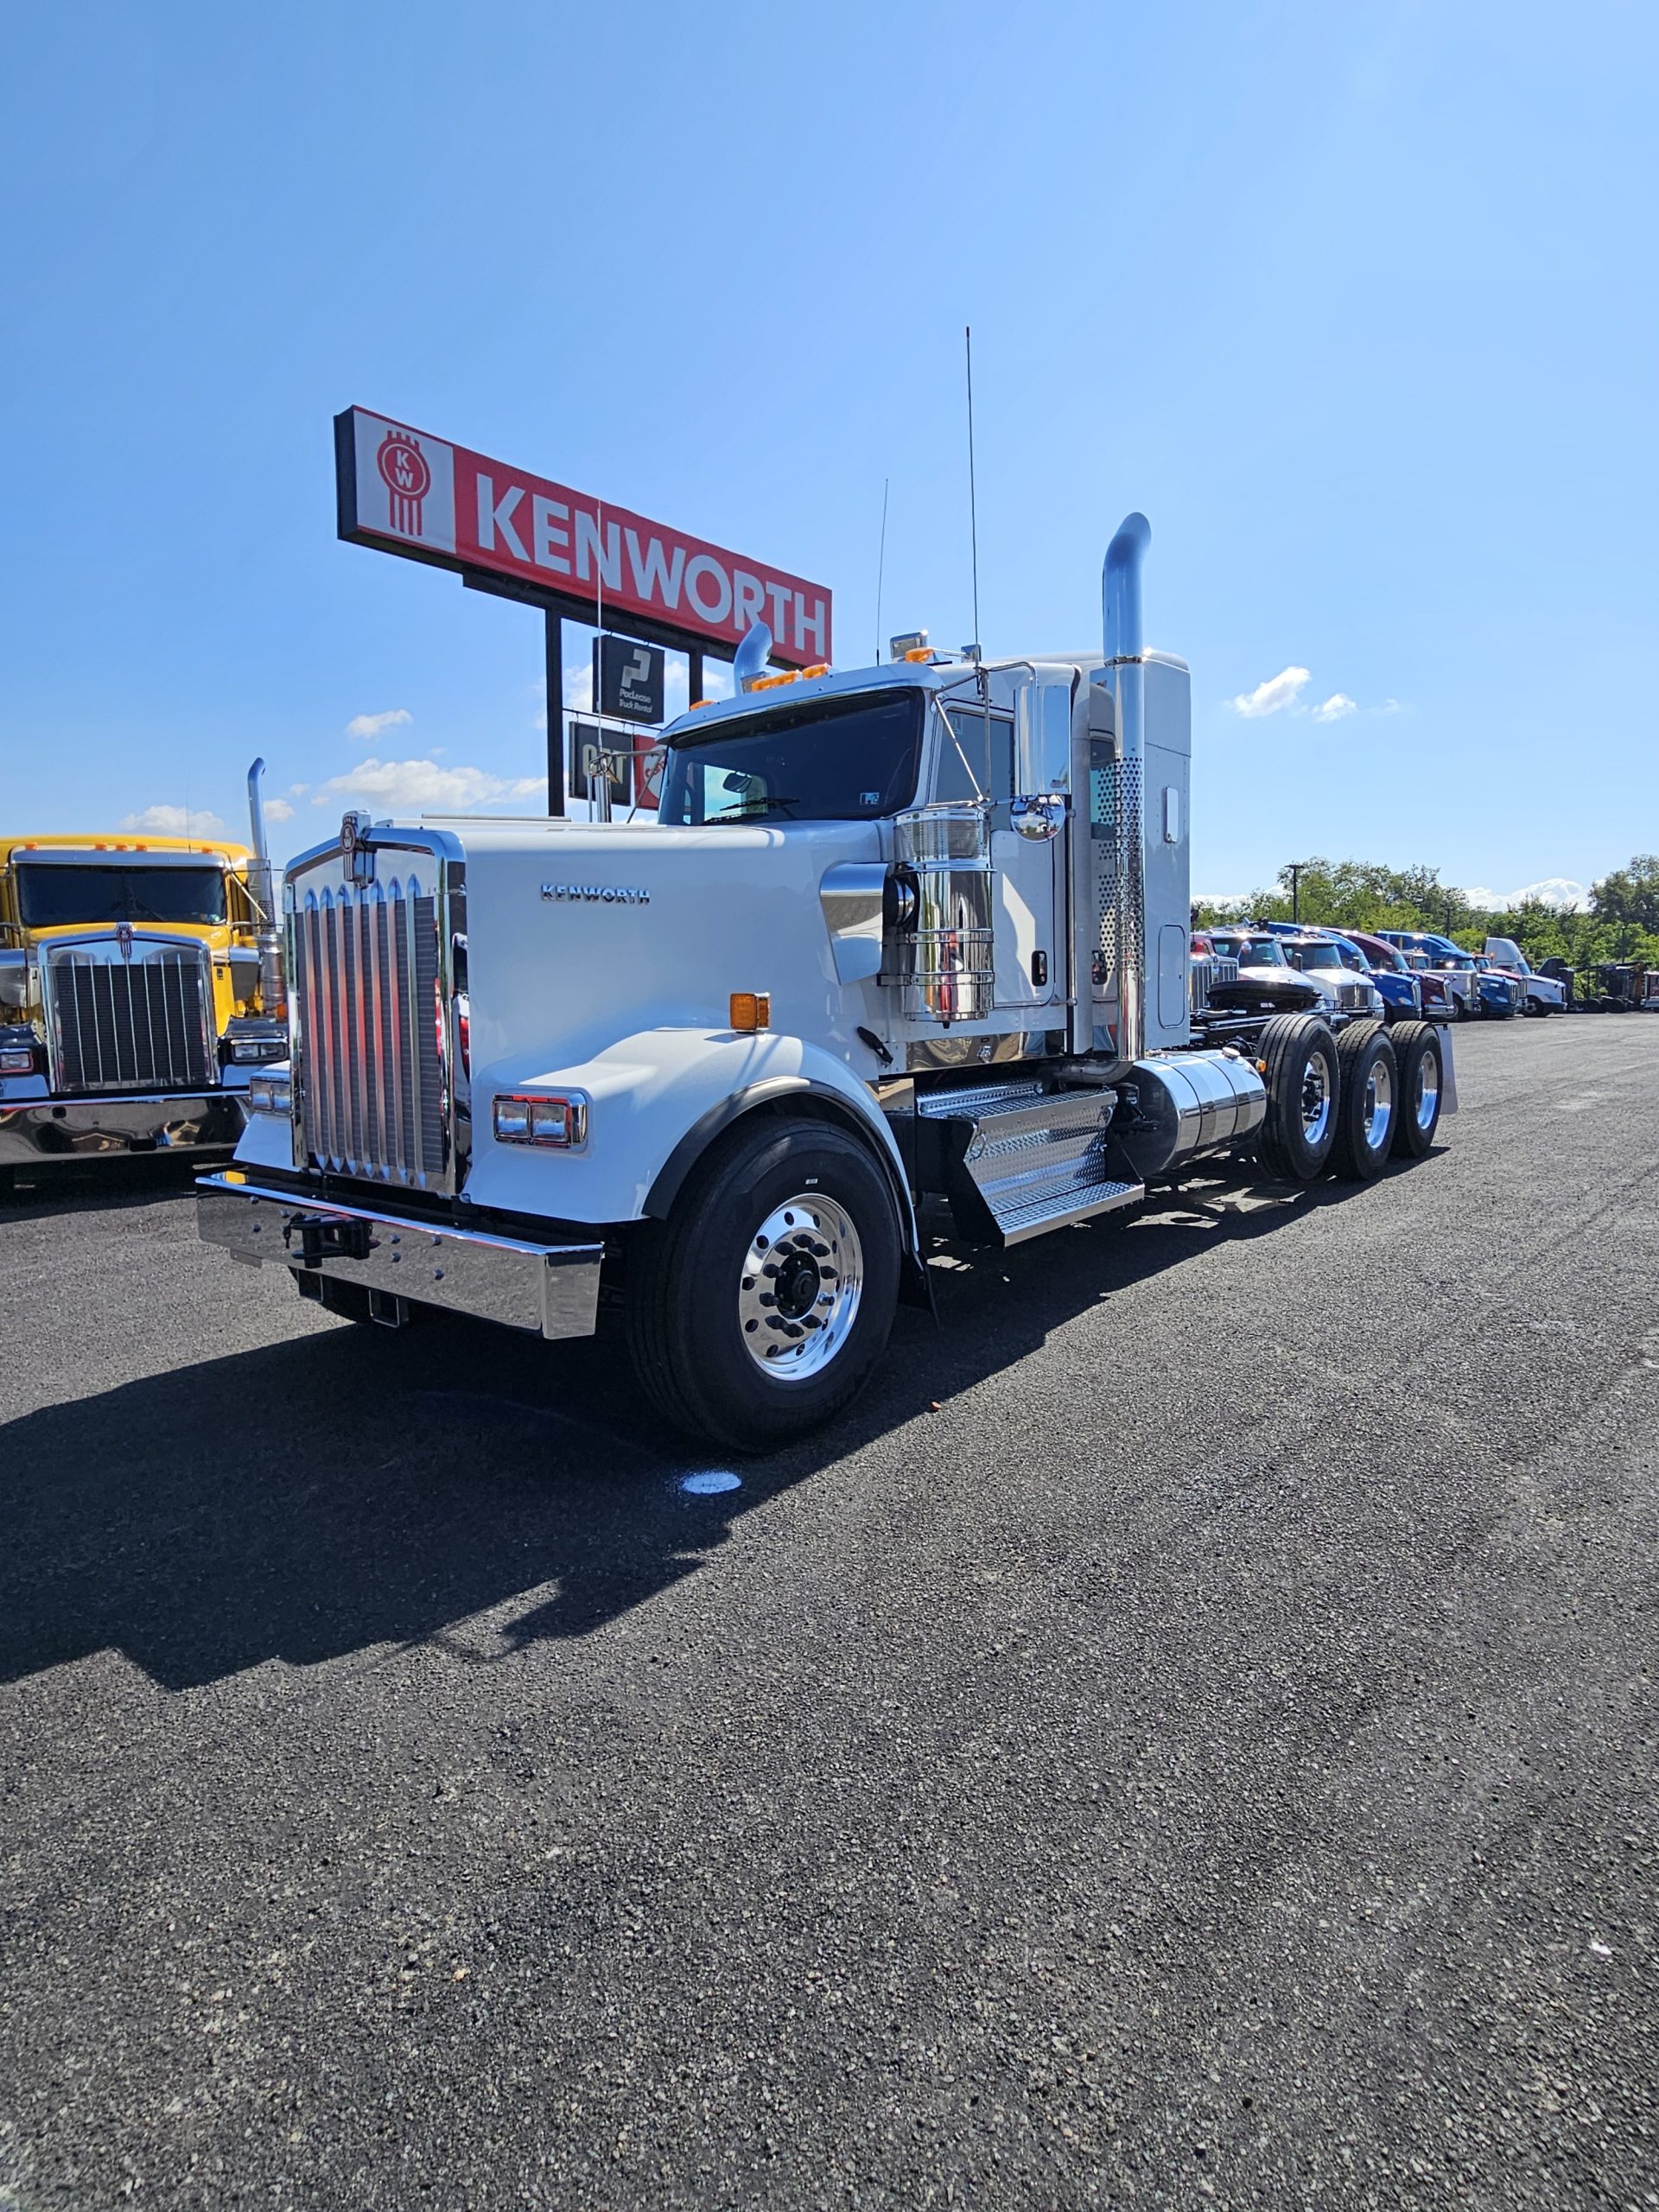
(1541,993)
(140,988)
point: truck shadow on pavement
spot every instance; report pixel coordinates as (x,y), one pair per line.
(349,1488)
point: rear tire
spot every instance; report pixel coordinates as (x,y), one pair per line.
(1297,1057)
(1423,1083)
(1367,1107)
(758,1309)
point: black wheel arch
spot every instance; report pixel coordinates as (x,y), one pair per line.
(794,1095)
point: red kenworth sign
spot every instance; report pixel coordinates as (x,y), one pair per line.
(407,492)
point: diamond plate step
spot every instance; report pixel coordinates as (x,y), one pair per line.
(1056,1209)
(1033,1158)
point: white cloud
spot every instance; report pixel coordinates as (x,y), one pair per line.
(278,809)
(1280,690)
(422,786)
(1392,707)
(1335,708)
(1553,891)
(175,822)
(368,726)
(578,688)
(1559,891)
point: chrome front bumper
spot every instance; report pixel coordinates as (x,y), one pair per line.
(35,1132)
(552,1290)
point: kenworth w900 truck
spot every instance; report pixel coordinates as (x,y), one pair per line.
(140,986)
(908,945)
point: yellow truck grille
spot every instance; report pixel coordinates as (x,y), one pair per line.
(364,974)
(142,1022)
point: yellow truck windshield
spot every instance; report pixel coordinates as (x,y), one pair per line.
(56,895)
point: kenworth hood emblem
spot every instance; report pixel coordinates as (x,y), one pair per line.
(123,938)
(612,894)
(354,846)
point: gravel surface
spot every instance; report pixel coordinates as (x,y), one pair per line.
(1188,1738)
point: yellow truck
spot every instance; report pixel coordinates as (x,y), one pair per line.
(140,986)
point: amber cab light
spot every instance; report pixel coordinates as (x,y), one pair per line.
(751,1009)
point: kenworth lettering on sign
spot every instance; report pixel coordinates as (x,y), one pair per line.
(406,491)
(913,959)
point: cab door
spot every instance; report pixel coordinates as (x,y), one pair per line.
(977,760)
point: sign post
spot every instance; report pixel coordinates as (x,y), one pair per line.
(555,712)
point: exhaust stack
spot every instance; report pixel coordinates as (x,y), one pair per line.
(273,992)
(1124,642)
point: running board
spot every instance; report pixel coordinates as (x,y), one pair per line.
(1017,1162)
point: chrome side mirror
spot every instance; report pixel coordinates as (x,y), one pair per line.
(1039,814)
(15,979)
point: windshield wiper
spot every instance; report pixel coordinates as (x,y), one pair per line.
(752,806)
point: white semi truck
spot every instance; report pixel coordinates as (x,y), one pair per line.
(906,952)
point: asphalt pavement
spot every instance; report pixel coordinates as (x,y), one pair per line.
(1188,1738)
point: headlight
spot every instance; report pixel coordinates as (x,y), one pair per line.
(254,1040)
(21,1051)
(270,1094)
(541,1117)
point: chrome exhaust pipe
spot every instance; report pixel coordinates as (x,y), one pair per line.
(273,993)
(1124,644)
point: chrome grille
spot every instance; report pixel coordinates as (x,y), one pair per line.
(363,973)
(140,1023)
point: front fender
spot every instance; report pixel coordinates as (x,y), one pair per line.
(656,1101)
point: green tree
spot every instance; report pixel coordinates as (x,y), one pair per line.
(1630,895)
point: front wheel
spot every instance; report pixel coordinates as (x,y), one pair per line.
(1366,1109)
(757,1311)
(1422,1061)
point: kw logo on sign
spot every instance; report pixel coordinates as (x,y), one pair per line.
(407,478)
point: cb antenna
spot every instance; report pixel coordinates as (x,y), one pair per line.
(973,498)
(881,567)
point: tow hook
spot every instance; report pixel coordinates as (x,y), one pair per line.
(325,1239)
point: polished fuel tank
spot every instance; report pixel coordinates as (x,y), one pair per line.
(1190,1103)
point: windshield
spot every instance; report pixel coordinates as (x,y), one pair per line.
(847,760)
(1315,955)
(52,896)
(1252,951)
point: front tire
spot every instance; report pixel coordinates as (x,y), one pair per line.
(1366,1109)
(1297,1056)
(758,1309)
(1422,1061)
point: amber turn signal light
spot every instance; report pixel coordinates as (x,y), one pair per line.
(751,1009)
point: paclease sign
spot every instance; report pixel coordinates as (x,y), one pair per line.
(407,492)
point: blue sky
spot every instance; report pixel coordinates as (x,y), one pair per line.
(1356,302)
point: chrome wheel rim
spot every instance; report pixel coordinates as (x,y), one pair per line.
(800,1288)
(1426,1103)
(1316,1100)
(1379,1104)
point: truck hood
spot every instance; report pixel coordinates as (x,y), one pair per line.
(579,933)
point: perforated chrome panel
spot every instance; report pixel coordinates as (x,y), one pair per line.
(1115,842)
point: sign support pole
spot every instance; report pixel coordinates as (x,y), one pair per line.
(694,677)
(555,713)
